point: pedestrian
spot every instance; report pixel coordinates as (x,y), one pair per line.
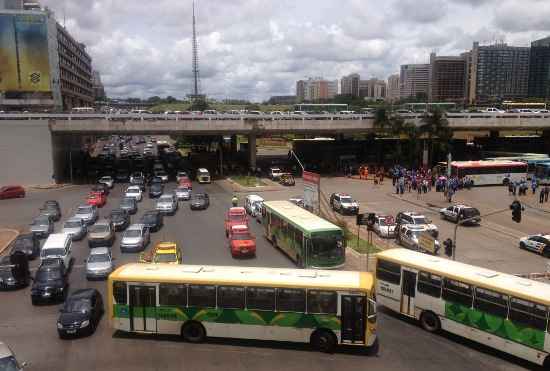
(514,188)
(450,193)
(546,192)
(534,184)
(419,188)
(541,197)
(510,188)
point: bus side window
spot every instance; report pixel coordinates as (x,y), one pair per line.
(457,292)
(491,302)
(231,297)
(429,284)
(202,296)
(528,313)
(260,298)
(322,302)
(388,271)
(173,294)
(119,292)
(291,300)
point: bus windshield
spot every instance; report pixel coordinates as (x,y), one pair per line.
(327,245)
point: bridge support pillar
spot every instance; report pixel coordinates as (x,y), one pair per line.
(234,144)
(546,138)
(66,157)
(252,151)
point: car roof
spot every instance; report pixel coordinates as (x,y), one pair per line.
(254,198)
(5,351)
(78,220)
(237,210)
(416,227)
(411,213)
(55,239)
(99,251)
(202,170)
(132,188)
(102,221)
(137,226)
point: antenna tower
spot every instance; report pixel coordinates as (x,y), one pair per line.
(196,75)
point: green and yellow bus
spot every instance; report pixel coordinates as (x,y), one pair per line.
(325,308)
(495,309)
(311,241)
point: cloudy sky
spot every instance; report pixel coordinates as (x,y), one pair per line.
(253,49)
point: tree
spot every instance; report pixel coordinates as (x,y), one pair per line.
(171,99)
(154,99)
(436,127)
(381,120)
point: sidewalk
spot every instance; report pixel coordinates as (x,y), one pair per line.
(6,237)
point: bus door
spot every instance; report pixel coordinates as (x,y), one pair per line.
(143,308)
(353,314)
(408,292)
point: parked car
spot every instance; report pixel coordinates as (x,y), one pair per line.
(120,219)
(344,204)
(153,220)
(203,176)
(101,234)
(28,244)
(41,226)
(76,228)
(14,272)
(134,192)
(182,193)
(167,204)
(253,204)
(50,282)
(135,238)
(241,242)
(411,217)
(57,246)
(384,226)
(97,199)
(80,314)
(235,216)
(457,213)
(199,201)
(99,263)
(12,191)
(156,190)
(107,180)
(539,243)
(88,214)
(129,204)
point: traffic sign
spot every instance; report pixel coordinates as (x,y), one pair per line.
(426,242)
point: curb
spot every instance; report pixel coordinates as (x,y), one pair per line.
(236,187)
(42,187)
(10,240)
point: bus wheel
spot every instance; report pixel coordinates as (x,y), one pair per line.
(323,341)
(193,332)
(430,322)
(546,363)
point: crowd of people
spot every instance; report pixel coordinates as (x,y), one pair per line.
(521,188)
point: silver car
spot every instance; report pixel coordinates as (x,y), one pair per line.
(99,263)
(167,204)
(42,226)
(88,214)
(135,238)
(76,228)
(182,193)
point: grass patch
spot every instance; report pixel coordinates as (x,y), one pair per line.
(248,181)
(362,247)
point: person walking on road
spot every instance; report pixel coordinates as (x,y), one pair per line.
(534,184)
(235,200)
(541,197)
(546,192)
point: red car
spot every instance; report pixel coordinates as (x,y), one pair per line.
(96,199)
(185,182)
(235,216)
(241,241)
(13,191)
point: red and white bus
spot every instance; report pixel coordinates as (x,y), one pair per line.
(490,172)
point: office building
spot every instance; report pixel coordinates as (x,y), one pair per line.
(97,86)
(392,92)
(447,79)
(349,85)
(316,89)
(59,74)
(372,89)
(414,81)
(539,69)
(300,90)
(498,72)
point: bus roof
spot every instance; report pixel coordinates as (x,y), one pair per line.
(247,276)
(300,217)
(522,288)
(504,163)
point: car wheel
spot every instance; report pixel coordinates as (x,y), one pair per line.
(442,215)
(522,245)
(193,332)
(430,322)
(323,341)
(546,253)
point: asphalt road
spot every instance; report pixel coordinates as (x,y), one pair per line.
(31,331)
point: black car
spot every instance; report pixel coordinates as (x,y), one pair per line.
(129,204)
(156,190)
(153,219)
(100,188)
(80,314)
(120,219)
(50,282)
(52,211)
(199,201)
(14,271)
(27,243)
(156,180)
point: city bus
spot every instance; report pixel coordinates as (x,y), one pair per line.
(325,308)
(490,172)
(311,241)
(535,107)
(531,159)
(542,172)
(495,309)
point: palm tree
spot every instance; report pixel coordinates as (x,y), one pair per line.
(436,127)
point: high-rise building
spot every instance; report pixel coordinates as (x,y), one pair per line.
(539,69)
(392,93)
(316,89)
(498,72)
(58,75)
(349,85)
(300,90)
(447,79)
(414,81)
(97,86)
(372,89)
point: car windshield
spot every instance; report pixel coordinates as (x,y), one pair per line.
(117,214)
(165,199)
(127,202)
(99,228)
(149,218)
(48,275)
(133,190)
(327,245)
(182,189)
(9,364)
(72,224)
(84,210)
(241,236)
(165,258)
(105,179)
(99,258)
(346,199)
(52,252)
(132,233)
(236,217)
(78,305)
(470,212)
(41,221)
(156,187)
(416,234)
(198,197)
(419,220)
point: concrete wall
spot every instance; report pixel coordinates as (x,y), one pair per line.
(25,153)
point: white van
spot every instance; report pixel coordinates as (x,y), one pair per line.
(58,245)
(253,204)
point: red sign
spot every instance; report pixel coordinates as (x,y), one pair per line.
(313,178)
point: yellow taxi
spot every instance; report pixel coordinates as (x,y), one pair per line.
(163,252)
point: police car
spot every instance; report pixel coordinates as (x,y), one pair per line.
(408,236)
(384,226)
(539,243)
(411,217)
(344,204)
(455,213)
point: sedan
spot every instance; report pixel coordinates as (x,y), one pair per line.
(182,193)
(99,263)
(135,238)
(76,228)
(28,244)
(50,282)
(199,201)
(167,204)
(13,276)
(156,190)
(87,213)
(153,220)
(129,204)
(96,199)
(80,314)
(12,192)
(120,219)
(107,180)
(539,243)
(134,192)
(42,226)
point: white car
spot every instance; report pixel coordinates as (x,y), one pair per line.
(344,204)
(275,173)
(539,243)
(107,180)
(167,204)
(384,226)
(134,192)
(253,204)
